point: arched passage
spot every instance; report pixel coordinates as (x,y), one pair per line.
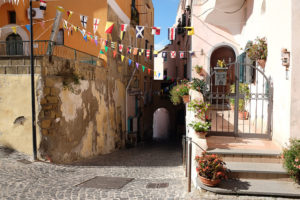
(161,124)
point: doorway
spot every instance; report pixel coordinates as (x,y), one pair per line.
(14,45)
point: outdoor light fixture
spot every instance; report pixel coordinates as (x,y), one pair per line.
(285,57)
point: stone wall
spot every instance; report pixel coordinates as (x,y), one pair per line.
(80,118)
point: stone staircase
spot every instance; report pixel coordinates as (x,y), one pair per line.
(254,172)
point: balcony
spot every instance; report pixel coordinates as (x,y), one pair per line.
(220,12)
(14,49)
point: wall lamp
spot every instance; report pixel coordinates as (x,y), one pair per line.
(285,58)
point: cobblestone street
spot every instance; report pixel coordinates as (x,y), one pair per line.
(151,163)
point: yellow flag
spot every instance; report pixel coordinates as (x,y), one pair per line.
(109,27)
(61,9)
(154,73)
(190,30)
(122,58)
(14,29)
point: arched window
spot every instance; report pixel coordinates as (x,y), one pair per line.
(14,45)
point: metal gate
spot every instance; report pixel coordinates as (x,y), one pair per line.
(248,85)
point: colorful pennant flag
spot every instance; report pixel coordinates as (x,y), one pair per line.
(69,14)
(96,24)
(83,32)
(172,33)
(122,58)
(113,45)
(155,30)
(149,70)
(173,54)
(141,52)
(140,31)
(106,48)
(137,65)
(155,53)
(192,53)
(83,20)
(101,52)
(65,24)
(129,62)
(190,30)
(43,5)
(164,54)
(61,9)
(96,40)
(114,53)
(14,29)
(121,48)
(143,67)
(135,51)
(182,54)
(85,38)
(28,27)
(75,28)
(148,53)
(124,27)
(109,27)
(129,50)
(122,34)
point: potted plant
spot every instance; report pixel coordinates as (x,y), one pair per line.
(199,107)
(200,128)
(291,159)
(199,70)
(258,51)
(243,91)
(180,92)
(211,169)
(199,85)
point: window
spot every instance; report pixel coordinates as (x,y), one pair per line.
(12,17)
(60,37)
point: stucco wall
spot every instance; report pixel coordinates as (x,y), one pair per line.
(15,102)
(84,119)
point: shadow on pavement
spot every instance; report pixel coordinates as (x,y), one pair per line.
(150,154)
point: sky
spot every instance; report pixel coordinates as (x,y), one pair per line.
(164,17)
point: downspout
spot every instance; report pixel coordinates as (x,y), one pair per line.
(126,101)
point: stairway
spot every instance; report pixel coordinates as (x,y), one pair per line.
(254,171)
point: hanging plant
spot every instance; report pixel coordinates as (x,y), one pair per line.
(258,51)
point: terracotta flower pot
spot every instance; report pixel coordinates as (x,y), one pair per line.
(201,134)
(261,63)
(186,98)
(243,115)
(209,182)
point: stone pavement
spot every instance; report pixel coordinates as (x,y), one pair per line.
(151,163)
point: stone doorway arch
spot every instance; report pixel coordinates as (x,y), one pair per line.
(161,124)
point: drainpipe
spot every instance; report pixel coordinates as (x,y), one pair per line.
(126,101)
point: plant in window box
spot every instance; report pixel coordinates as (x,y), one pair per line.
(199,107)
(211,169)
(245,92)
(180,92)
(199,70)
(200,128)
(258,51)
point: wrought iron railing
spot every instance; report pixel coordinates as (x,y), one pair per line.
(22,48)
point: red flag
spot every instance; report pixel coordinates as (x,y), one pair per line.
(114,53)
(148,54)
(120,48)
(155,30)
(173,54)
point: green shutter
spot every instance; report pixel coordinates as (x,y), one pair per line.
(241,60)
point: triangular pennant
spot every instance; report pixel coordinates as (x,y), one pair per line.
(65,24)
(69,14)
(154,73)
(149,70)
(85,38)
(14,29)
(135,51)
(122,58)
(114,53)
(101,52)
(137,65)
(129,62)
(96,40)
(143,68)
(129,50)
(109,27)
(96,24)
(140,31)
(106,48)
(121,48)
(83,20)
(83,32)
(27,27)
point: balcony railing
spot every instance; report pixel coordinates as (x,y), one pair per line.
(22,48)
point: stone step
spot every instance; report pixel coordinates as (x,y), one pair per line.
(252,170)
(255,187)
(246,155)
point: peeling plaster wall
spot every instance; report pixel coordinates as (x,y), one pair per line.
(80,120)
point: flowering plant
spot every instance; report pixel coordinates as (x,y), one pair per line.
(291,157)
(211,167)
(178,91)
(198,106)
(200,127)
(221,63)
(258,50)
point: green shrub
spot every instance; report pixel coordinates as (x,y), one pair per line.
(291,157)
(199,85)
(178,91)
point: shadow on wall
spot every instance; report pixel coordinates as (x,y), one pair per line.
(161,124)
